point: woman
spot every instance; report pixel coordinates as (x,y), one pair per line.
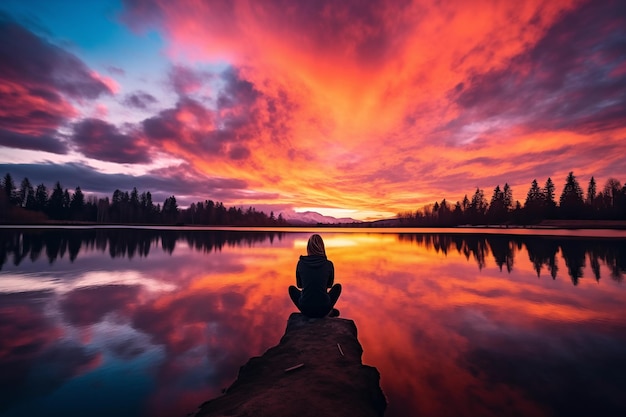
(314,274)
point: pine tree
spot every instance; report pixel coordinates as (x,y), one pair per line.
(41,197)
(571,201)
(591,191)
(27,194)
(535,196)
(77,204)
(534,204)
(170,210)
(548,191)
(9,188)
(478,207)
(497,210)
(508,197)
(549,209)
(55,204)
(466,203)
(457,213)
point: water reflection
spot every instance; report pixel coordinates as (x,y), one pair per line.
(154,322)
(124,242)
(542,251)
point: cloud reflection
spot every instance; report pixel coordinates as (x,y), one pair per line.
(35,357)
(456,324)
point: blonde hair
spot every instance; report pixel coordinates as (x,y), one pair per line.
(315,246)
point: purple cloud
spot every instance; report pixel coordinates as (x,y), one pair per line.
(43,142)
(116,71)
(242,113)
(31,60)
(186,81)
(239,152)
(570,80)
(168,124)
(100,140)
(140,100)
(38,79)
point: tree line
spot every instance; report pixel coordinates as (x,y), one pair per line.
(38,204)
(540,204)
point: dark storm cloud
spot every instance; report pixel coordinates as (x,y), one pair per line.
(162,183)
(103,141)
(574,78)
(140,100)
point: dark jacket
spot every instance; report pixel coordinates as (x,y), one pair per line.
(314,274)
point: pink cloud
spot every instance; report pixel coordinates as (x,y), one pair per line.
(38,82)
(109,82)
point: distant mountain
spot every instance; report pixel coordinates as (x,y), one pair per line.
(312,217)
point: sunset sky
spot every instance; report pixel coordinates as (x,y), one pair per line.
(348,108)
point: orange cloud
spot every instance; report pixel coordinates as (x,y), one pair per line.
(380,105)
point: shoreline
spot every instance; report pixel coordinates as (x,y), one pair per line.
(548,227)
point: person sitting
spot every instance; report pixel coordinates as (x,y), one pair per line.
(314,274)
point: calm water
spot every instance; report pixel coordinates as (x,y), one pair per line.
(154,322)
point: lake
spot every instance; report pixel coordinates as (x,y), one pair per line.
(152,322)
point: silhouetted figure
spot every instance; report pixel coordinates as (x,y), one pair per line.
(314,274)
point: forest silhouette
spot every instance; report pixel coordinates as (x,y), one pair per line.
(543,251)
(28,204)
(37,205)
(540,204)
